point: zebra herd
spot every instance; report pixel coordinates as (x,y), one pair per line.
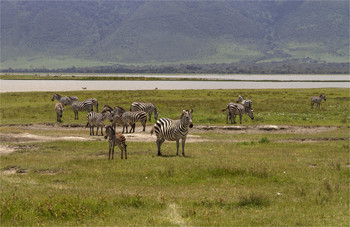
(164,128)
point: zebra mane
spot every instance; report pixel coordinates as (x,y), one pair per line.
(109,127)
(120,108)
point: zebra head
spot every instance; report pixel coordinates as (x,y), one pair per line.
(250,113)
(109,131)
(240,99)
(56,96)
(186,118)
(323,96)
(156,114)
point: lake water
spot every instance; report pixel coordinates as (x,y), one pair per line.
(75,85)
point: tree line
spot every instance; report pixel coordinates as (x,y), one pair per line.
(283,67)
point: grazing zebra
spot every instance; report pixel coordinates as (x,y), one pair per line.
(246,102)
(115,140)
(59,109)
(233,109)
(81,106)
(146,107)
(173,130)
(94,102)
(64,100)
(133,117)
(96,119)
(317,100)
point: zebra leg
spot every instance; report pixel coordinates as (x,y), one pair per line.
(183,146)
(109,151)
(159,143)
(177,147)
(150,115)
(125,151)
(121,150)
(240,118)
(113,151)
(144,126)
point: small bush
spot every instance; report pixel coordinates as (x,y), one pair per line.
(264,140)
(253,200)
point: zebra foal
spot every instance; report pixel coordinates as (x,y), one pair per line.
(115,140)
(59,110)
(146,107)
(173,130)
(81,106)
(317,100)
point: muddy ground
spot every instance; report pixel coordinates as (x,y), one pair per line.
(17,141)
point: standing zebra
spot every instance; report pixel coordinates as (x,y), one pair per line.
(146,107)
(81,106)
(94,102)
(96,119)
(66,100)
(115,116)
(173,130)
(317,100)
(233,109)
(246,102)
(115,140)
(59,109)
(133,117)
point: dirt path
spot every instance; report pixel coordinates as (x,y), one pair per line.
(17,140)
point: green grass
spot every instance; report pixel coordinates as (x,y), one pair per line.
(73,183)
(279,106)
(260,179)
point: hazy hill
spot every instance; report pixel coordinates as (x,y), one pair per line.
(54,34)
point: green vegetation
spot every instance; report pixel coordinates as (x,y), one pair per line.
(56,34)
(275,106)
(227,179)
(219,183)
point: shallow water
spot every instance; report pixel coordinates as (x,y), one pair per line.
(74,85)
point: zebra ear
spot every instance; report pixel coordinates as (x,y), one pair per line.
(192,110)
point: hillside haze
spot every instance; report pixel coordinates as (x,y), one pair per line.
(60,34)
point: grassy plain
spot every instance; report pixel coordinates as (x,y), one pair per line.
(260,179)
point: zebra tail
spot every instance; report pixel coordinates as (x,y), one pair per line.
(224,109)
(152,131)
(87,125)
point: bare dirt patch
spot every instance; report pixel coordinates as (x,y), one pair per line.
(17,140)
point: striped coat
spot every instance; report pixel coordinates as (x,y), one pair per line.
(233,109)
(244,102)
(173,130)
(317,100)
(96,120)
(133,117)
(59,110)
(115,140)
(146,107)
(81,106)
(66,100)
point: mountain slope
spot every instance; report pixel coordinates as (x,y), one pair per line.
(56,34)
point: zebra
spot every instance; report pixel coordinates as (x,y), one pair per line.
(133,117)
(96,119)
(94,102)
(233,109)
(115,116)
(81,106)
(66,100)
(317,100)
(173,130)
(115,140)
(59,109)
(246,102)
(146,107)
